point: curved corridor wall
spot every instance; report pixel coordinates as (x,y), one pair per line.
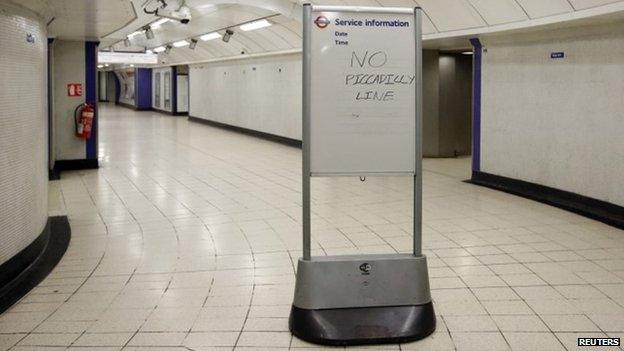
(552,110)
(23,130)
(259,94)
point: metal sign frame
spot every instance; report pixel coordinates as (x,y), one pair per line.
(362,299)
(307,74)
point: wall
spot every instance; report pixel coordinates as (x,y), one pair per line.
(455,104)
(556,122)
(159,91)
(262,94)
(111,86)
(74,62)
(447,94)
(23,130)
(182,92)
(102,88)
(431,103)
(126,87)
(69,67)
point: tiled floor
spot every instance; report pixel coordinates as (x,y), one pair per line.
(185,240)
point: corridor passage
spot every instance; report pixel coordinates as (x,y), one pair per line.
(187,237)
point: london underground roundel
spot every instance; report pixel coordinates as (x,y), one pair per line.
(321,22)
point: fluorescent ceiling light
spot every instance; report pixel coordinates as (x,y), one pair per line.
(255,25)
(149,51)
(131,65)
(181,43)
(210,36)
(160,22)
(132,35)
(159,49)
(467,53)
(206,6)
(106,65)
(100,66)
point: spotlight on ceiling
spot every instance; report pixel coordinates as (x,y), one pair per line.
(159,49)
(168,49)
(149,34)
(193,44)
(127,42)
(228,34)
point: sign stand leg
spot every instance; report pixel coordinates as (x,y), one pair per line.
(417,232)
(305,130)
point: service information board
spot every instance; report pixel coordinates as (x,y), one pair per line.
(362,93)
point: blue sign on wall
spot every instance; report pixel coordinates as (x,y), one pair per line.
(557,55)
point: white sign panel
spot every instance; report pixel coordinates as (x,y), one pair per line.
(127,58)
(362,93)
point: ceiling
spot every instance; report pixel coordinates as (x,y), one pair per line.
(447,23)
(82,19)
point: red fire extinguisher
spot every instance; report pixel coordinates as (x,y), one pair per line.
(83,120)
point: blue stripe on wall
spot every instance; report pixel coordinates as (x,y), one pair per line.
(143,88)
(476,104)
(91,48)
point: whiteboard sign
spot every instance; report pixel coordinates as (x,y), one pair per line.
(362,92)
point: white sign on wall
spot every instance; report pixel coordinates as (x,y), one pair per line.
(362,93)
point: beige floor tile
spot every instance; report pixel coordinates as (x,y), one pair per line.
(479,341)
(533,341)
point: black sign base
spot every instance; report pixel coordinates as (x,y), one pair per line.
(361,326)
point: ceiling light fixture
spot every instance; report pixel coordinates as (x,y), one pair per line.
(159,49)
(149,34)
(467,53)
(255,25)
(210,36)
(148,51)
(228,34)
(181,43)
(100,66)
(193,44)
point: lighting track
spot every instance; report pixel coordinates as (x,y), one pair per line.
(217,30)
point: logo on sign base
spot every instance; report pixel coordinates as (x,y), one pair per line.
(322,22)
(365,268)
